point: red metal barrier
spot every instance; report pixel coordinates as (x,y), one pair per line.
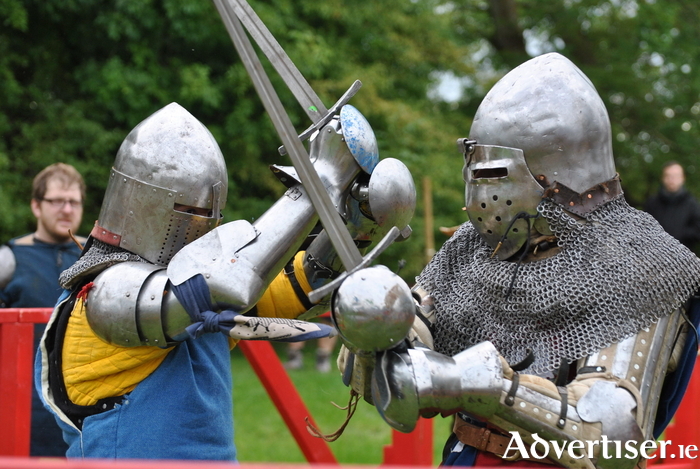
(16,380)
(16,358)
(38,463)
(264,361)
(685,429)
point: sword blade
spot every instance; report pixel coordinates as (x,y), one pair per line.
(300,88)
(330,218)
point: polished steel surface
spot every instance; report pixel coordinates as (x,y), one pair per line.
(373,309)
(169,158)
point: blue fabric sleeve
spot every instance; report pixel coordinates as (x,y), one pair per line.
(677,381)
(194,296)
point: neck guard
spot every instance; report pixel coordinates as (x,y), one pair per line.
(617,272)
(97,257)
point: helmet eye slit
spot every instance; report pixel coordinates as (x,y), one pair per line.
(490,173)
(202,212)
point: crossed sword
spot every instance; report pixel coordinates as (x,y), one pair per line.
(235,12)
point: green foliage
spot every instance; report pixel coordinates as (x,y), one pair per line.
(78,75)
(262,436)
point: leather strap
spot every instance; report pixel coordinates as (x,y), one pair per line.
(480,438)
(292,277)
(486,440)
(587,201)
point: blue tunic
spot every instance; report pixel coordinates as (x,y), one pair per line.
(183,410)
(35,281)
(35,285)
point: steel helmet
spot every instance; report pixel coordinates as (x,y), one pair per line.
(167,187)
(542,130)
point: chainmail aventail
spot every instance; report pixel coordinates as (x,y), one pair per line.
(617,272)
(98,257)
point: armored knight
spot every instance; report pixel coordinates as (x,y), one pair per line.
(558,313)
(135,360)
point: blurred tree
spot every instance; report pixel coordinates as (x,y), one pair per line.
(78,75)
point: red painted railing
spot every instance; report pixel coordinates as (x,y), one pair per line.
(16,357)
(414,449)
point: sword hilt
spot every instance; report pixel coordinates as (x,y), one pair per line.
(334,110)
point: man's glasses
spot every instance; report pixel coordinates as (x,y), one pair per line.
(60,203)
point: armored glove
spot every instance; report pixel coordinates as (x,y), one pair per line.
(357,367)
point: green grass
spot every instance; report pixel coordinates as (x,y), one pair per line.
(262,436)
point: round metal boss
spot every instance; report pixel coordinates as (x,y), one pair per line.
(373,309)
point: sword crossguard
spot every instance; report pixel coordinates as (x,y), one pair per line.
(334,110)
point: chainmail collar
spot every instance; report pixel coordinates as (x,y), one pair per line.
(617,272)
(96,258)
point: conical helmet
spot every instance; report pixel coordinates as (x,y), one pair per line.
(167,187)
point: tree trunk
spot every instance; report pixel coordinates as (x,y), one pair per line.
(508,37)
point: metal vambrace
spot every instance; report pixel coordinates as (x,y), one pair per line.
(133,304)
(239,260)
(602,417)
